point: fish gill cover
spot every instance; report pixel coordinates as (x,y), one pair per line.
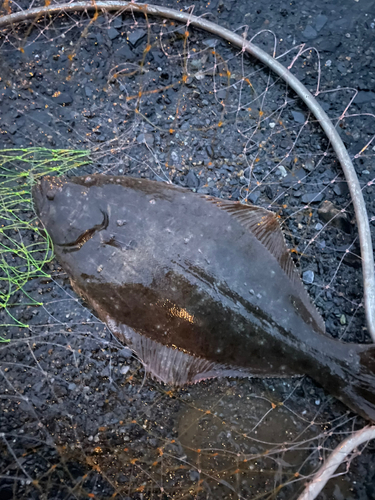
(151,98)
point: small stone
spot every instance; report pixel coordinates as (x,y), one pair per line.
(328,63)
(312,197)
(308,277)
(253,197)
(112,33)
(117,23)
(282,170)
(120,222)
(72,386)
(343,319)
(310,33)
(88,92)
(298,117)
(272,125)
(364,96)
(309,165)
(211,42)
(194,475)
(320,21)
(124,369)
(64,98)
(365,172)
(317,402)
(341,68)
(319,226)
(136,37)
(192,180)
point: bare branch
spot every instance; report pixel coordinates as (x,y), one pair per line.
(337,458)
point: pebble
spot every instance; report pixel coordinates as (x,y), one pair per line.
(364,96)
(343,319)
(318,226)
(282,170)
(112,33)
(146,139)
(298,117)
(136,36)
(310,33)
(117,23)
(211,42)
(308,277)
(124,369)
(312,197)
(320,22)
(309,165)
(192,180)
(64,98)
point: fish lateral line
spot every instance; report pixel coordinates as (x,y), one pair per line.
(86,236)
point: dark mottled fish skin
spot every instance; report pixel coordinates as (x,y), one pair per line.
(197,286)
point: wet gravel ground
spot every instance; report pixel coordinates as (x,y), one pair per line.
(78,416)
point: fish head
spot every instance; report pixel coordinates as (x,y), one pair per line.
(64,209)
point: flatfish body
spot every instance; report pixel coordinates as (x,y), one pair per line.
(198,287)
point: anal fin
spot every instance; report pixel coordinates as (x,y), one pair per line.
(173,366)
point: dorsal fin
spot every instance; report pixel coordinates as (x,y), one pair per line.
(264,225)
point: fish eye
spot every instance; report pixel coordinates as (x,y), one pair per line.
(50,194)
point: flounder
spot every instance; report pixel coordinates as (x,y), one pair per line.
(197,286)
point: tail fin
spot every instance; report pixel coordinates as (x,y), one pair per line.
(357,387)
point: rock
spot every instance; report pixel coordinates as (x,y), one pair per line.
(318,226)
(253,197)
(312,197)
(320,22)
(211,42)
(310,33)
(298,116)
(124,369)
(192,180)
(309,165)
(308,277)
(136,37)
(112,33)
(64,98)
(364,96)
(343,319)
(117,23)
(146,139)
(330,214)
(282,170)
